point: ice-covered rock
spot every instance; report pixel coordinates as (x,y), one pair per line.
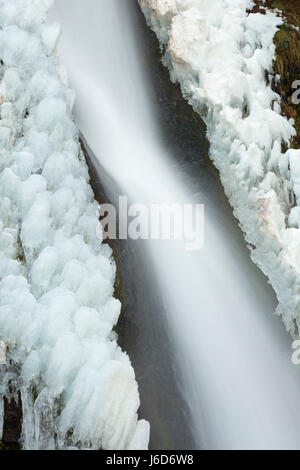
(57,310)
(221,54)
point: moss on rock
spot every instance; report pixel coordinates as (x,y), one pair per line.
(287,62)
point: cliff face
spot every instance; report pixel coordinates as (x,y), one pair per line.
(287,58)
(236,63)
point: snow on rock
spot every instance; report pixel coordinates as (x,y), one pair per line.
(221,55)
(57,310)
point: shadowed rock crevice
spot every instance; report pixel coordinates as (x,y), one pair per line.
(12,425)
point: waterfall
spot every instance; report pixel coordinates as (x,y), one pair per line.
(232,353)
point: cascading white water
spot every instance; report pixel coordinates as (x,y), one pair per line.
(233,355)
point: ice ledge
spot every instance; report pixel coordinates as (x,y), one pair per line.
(57,310)
(220,54)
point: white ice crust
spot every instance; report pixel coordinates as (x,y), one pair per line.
(57,310)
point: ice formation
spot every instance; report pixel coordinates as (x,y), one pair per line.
(57,310)
(222,55)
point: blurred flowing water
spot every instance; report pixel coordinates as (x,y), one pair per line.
(212,361)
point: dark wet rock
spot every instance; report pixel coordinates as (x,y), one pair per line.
(12,425)
(287,62)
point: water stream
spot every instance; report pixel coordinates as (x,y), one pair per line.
(212,361)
